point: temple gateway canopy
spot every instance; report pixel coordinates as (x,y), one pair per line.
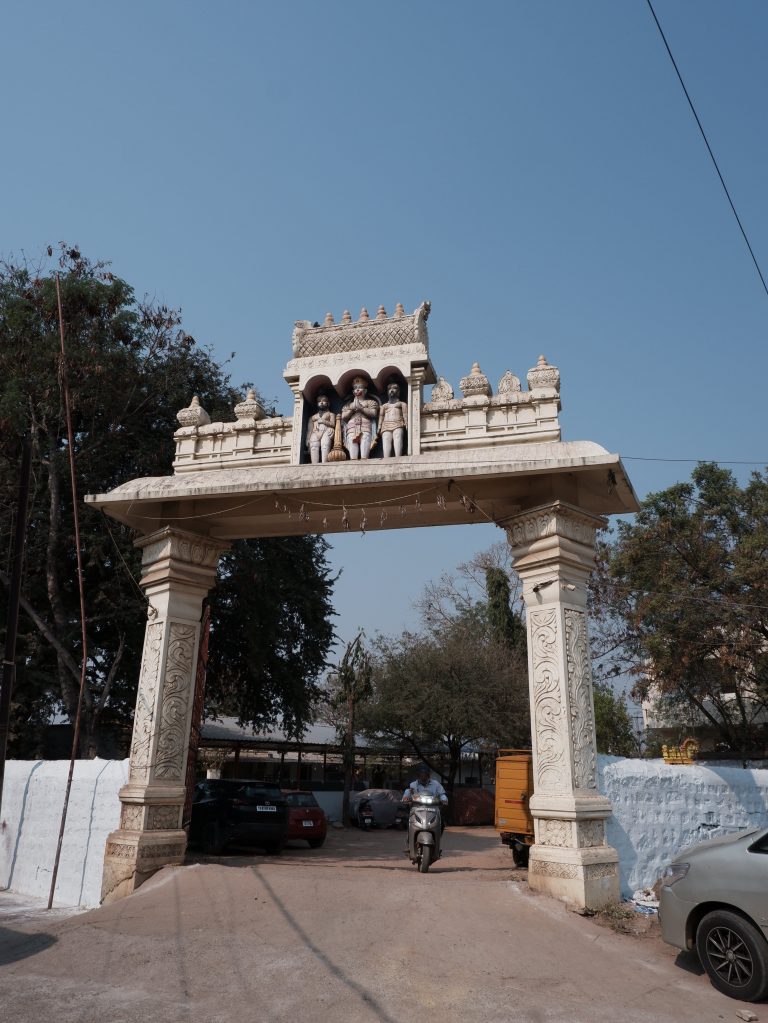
(366,449)
(483,456)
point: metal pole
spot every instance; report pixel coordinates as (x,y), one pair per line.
(81,590)
(14,593)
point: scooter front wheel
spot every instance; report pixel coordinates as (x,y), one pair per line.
(425,860)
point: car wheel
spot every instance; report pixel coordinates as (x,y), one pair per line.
(734,954)
(274,848)
(315,843)
(520,855)
(212,842)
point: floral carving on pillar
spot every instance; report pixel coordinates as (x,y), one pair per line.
(590,833)
(554,832)
(131,818)
(547,703)
(164,818)
(177,685)
(580,700)
(145,705)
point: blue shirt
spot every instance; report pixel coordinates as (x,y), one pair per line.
(432,788)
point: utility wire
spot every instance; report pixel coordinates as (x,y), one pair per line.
(709,148)
(717,461)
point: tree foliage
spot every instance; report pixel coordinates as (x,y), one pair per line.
(271,631)
(131,367)
(347,694)
(505,624)
(613,725)
(451,686)
(683,602)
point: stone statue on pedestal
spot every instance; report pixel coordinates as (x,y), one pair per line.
(320,432)
(359,416)
(393,417)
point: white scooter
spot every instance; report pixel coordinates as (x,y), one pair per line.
(424,830)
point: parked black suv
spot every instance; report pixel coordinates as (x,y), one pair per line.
(240,811)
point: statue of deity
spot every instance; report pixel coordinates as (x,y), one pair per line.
(320,431)
(393,417)
(358,416)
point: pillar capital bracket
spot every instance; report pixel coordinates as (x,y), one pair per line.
(556,519)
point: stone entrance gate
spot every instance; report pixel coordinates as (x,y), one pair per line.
(485,456)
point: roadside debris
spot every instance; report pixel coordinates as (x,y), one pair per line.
(645,900)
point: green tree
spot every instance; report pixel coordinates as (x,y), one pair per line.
(683,601)
(613,724)
(348,691)
(271,631)
(131,367)
(449,687)
(506,624)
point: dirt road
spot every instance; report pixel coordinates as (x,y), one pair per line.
(350,933)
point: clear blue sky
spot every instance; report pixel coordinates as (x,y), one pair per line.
(531,168)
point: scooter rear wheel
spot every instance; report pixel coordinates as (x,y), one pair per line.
(425,859)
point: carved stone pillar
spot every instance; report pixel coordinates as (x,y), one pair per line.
(297,440)
(415,401)
(554,552)
(178,570)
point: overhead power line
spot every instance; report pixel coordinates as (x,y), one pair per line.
(717,461)
(709,148)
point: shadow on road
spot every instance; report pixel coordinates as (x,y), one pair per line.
(16,945)
(365,996)
(689,962)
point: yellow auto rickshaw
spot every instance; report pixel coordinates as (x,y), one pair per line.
(514,787)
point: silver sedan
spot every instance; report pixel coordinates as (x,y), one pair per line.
(714,898)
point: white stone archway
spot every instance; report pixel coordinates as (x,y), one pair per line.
(482,457)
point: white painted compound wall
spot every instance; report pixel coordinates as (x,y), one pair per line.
(658,810)
(30,818)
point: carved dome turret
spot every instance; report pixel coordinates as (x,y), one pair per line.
(475,383)
(194,415)
(544,375)
(250,408)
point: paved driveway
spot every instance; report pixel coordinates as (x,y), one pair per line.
(350,933)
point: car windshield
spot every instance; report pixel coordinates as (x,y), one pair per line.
(378,794)
(300,799)
(226,789)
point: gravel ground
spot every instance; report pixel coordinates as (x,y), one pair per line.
(350,933)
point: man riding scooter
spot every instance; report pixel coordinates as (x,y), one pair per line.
(426,823)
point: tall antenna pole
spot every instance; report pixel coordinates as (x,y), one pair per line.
(76,516)
(14,593)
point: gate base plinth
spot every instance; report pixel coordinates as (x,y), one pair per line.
(583,878)
(132,857)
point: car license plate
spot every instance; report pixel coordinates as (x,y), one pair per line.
(308,824)
(367,821)
(267,809)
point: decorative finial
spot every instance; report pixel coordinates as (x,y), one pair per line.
(381,313)
(544,374)
(399,309)
(475,383)
(251,408)
(195,415)
(442,391)
(509,384)
(364,314)
(329,319)
(347,317)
